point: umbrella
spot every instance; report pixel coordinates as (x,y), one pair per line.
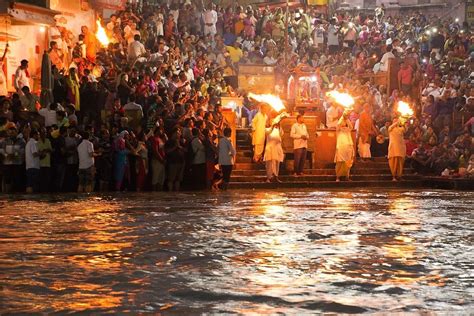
(46,97)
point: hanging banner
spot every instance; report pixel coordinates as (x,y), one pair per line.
(109,4)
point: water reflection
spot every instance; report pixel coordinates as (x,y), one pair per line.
(242,252)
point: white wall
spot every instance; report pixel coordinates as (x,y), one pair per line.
(25,48)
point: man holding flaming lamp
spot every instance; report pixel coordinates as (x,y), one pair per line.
(396,147)
(273,151)
(259,122)
(344,157)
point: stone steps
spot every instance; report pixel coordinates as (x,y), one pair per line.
(320,178)
(320,171)
(244,164)
(328,184)
(370,173)
(242,156)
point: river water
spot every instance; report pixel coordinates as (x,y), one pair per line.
(294,252)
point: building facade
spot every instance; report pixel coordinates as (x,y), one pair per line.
(26,24)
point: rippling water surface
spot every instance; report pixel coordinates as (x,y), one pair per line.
(296,252)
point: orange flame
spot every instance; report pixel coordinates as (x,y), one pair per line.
(344,99)
(101,35)
(275,102)
(404,109)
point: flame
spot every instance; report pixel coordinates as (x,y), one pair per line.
(101,35)
(275,102)
(344,99)
(404,109)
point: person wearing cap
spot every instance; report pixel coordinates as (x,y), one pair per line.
(22,76)
(13,151)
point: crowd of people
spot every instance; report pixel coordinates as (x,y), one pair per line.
(144,111)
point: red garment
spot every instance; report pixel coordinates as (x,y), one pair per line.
(405,76)
(198,72)
(158,146)
(210,169)
(411,146)
(169,29)
(141,174)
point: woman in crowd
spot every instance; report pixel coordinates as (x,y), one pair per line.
(120,160)
(73,86)
(141,164)
(175,157)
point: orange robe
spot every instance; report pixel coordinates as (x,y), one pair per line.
(365,129)
(91,42)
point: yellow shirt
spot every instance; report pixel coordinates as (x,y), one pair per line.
(204,89)
(235,53)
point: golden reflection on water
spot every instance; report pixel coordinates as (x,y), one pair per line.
(97,252)
(87,297)
(368,242)
(321,248)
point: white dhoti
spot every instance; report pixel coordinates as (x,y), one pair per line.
(273,152)
(210,29)
(363,149)
(273,168)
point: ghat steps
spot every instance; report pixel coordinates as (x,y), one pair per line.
(372,173)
